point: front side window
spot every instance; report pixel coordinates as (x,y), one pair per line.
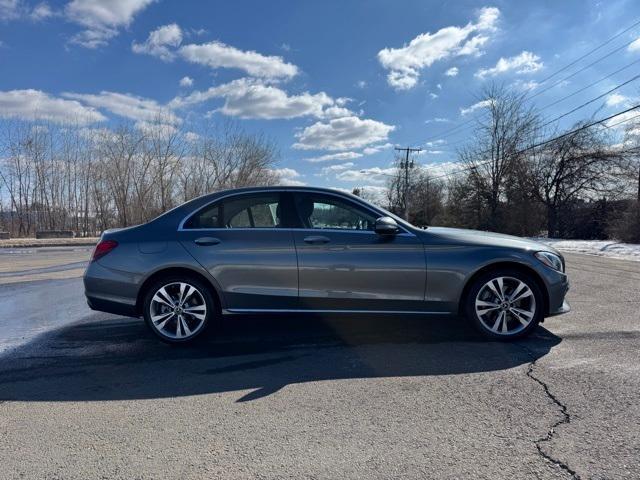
(327,212)
(245,211)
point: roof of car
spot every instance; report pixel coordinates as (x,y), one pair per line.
(269,188)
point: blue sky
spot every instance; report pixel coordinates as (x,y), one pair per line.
(335,83)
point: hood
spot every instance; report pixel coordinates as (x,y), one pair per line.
(462,236)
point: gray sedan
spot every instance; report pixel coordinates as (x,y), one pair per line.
(293,249)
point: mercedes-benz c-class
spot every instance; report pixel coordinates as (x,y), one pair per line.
(294,249)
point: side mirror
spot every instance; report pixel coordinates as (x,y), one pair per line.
(386,226)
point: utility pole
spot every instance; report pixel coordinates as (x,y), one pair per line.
(405,165)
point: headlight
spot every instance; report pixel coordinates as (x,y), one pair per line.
(551,260)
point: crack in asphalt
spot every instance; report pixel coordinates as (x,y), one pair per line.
(551,432)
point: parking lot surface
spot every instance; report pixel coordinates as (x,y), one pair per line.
(90,395)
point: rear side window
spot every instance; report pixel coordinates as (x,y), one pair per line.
(243,211)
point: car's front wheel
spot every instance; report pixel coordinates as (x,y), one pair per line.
(178,309)
(505,304)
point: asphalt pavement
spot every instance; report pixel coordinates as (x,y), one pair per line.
(89,395)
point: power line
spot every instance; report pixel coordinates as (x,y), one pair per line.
(590,85)
(587,102)
(540,144)
(592,51)
(450,132)
(540,92)
(591,101)
(622,121)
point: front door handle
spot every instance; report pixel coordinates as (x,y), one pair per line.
(316,240)
(207,241)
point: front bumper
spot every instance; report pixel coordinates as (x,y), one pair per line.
(564,308)
(557,293)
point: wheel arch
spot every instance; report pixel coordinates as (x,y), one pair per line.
(164,272)
(501,265)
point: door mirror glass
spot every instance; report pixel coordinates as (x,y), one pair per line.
(386,226)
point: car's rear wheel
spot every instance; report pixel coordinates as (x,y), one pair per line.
(178,309)
(505,304)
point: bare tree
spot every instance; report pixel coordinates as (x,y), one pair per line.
(575,166)
(72,177)
(505,128)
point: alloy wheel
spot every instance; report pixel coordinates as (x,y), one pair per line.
(178,310)
(505,305)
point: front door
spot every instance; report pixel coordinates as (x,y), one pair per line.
(344,265)
(241,242)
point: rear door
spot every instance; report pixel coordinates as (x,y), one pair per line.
(241,241)
(344,264)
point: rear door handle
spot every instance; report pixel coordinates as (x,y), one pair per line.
(207,241)
(316,240)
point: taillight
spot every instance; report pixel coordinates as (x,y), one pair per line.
(102,248)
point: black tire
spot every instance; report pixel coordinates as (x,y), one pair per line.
(519,332)
(202,288)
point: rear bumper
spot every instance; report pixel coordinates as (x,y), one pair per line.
(110,306)
(109,290)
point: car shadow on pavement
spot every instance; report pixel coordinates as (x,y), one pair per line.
(114,358)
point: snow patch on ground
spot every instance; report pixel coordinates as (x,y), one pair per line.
(601,248)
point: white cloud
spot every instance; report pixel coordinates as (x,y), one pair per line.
(374,174)
(433,95)
(102,19)
(377,148)
(361,84)
(622,122)
(438,120)
(17,9)
(472,47)
(342,134)
(525,85)
(288,176)
(186,81)
(38,105)
(405,63)
(525,62)
(219,55)
(248,98)
(336,112)
(443,169)
(452,72)
(40,12)
(634,46)
(332,169)
(156,129)
(128,106)
(334,156)
(161,42)
(475,106)
(191,137)
(616,99)
(10,9)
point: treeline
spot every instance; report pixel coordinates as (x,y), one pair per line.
(516,176)
(55,177)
